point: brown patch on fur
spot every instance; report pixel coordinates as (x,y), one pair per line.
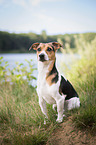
(41,46)
(51,66)
(52,76)
(49,79)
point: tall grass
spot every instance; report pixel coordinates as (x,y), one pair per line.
(83,77)
(21,119)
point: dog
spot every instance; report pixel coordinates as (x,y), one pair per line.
(52,87)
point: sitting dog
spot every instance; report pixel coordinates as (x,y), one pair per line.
(52,87)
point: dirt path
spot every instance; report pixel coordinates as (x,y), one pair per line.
(67,134)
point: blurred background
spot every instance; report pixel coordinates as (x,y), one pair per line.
(23,22)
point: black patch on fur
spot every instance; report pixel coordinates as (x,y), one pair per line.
(53,48)
(67,89)
(55,79)
(54,71)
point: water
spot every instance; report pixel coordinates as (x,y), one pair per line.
(20,57)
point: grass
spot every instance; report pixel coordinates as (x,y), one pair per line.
(21,119)
(83,77)
(85,117)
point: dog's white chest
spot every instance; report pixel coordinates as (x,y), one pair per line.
(45,91)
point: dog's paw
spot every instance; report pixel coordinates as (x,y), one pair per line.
(64,115)
(44,122)
(59,120)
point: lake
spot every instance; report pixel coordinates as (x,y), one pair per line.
(20,57)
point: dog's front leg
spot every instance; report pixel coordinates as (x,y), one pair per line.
(42,104)
(60,109)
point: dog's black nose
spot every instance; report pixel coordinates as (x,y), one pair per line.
(41,56)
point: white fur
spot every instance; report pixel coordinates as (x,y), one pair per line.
(72,103)
(45,55)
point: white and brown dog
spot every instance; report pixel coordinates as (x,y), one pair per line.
(51,86)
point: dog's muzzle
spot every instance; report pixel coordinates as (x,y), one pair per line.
(42,57)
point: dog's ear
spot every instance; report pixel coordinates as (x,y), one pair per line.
(56,45)
(34,46)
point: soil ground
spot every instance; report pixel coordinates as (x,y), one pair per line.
(68,134)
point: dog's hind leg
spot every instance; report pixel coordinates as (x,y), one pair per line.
(72,103)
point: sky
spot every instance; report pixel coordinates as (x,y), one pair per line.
(54,16)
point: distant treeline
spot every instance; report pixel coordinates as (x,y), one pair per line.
(11,42)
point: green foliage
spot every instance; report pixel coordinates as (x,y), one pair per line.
(67,40)
(18,73)
(71,41)
(84,70)
(11,42)
(21,119)
(3,71)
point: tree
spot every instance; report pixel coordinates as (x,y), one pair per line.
(44,35)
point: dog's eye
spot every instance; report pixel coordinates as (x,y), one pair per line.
(49,49)
(39,49)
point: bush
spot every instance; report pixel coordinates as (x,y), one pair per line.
(18,74)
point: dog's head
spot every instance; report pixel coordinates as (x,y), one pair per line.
(46,51)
